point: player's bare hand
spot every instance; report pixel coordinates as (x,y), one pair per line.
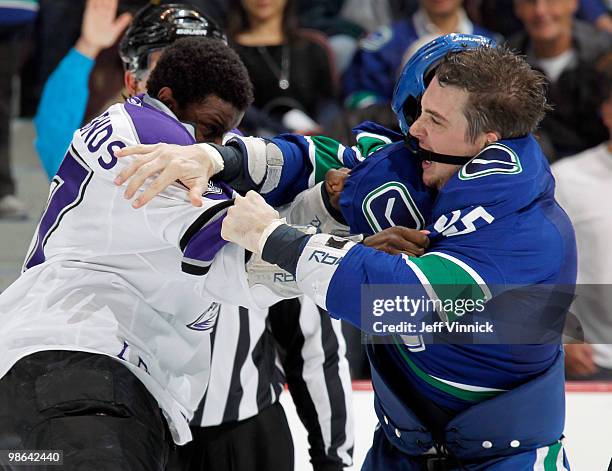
(192,165)
(579,360)
(100,29)
(247,220)
(398,239)
(334,184)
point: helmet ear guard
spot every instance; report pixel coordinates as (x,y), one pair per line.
(157,26)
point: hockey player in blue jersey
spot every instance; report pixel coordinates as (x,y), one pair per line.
(494,223)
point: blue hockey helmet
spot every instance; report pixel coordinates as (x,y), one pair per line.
(418,71)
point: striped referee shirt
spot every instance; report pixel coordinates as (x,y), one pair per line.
(256,351)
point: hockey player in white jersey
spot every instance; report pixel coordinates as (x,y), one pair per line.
(106,287)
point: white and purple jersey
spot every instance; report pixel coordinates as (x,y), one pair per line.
(105,278)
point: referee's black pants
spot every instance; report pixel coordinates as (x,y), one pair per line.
(90,407)
(260,443)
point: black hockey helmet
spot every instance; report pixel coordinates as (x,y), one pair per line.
(157,26)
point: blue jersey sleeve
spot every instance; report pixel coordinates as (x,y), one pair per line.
(438,276)
(286,165)
(281,168)
(61,109)
(333,272)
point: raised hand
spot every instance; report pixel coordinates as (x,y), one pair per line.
(192,165)
(100,29)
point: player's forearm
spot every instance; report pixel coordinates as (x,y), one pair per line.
(314,260)
(313,207)
(280,168)
(332,270)
(251,163)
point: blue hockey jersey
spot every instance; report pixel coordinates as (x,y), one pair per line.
(387,188)
(495,224)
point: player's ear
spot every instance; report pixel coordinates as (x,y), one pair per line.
(130,82)
(166,96)
(492,137)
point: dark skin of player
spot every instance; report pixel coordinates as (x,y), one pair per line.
(393,240)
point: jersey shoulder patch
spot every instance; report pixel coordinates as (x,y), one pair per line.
(377,40)
(494,159)
(369,142)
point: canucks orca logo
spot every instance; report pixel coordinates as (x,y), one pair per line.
(493,159)
(206,321)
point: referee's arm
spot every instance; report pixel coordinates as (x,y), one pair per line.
(313,357)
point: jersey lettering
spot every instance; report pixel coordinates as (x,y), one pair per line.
(67,191)
(126,349)
(110,150)
(325,258)
(449,228)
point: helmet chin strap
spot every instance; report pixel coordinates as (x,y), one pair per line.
(412,144)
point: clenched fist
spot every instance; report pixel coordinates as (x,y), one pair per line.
(248,220)
(334,184)
(398,239)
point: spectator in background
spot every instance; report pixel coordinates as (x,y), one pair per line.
(65,95)
(325,16)
(499,16)
(584,190)
(345,21)
(373,14)
(16,18)
(57,117)
(57,28)
(369,80)
(291,70)
(566,50)
(372,74)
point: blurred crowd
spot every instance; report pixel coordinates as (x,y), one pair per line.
(323,66)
